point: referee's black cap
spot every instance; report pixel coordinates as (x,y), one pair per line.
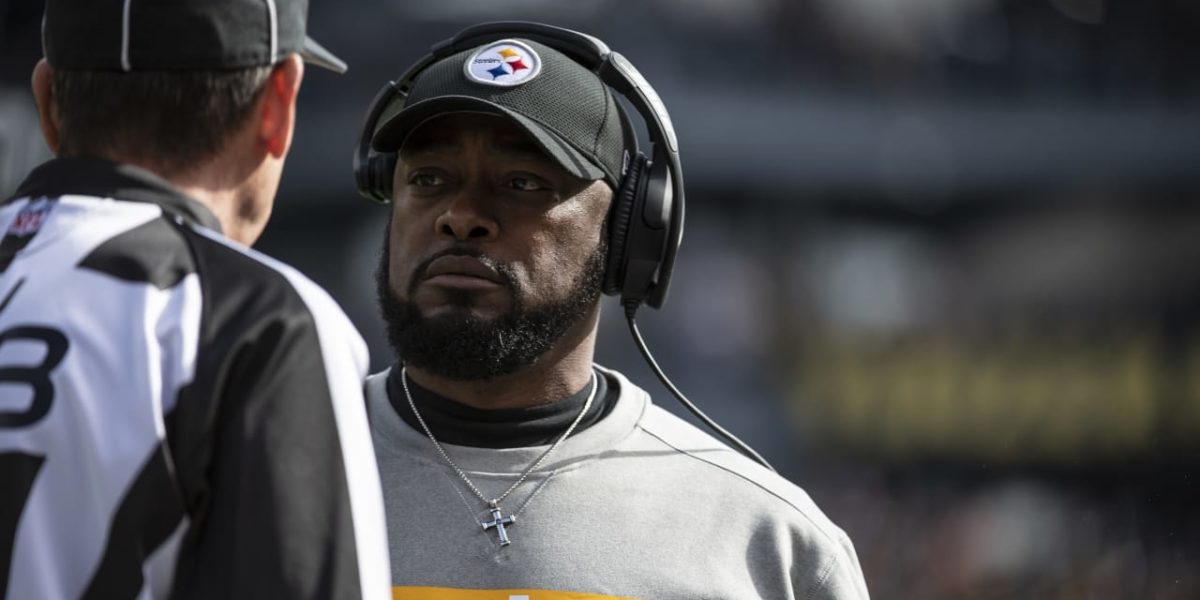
(174,35)
(565,107)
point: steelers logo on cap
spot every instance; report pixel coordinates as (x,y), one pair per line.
(505,63)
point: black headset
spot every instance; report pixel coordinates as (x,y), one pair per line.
(646,219)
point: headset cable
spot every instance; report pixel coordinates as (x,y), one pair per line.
(630,312)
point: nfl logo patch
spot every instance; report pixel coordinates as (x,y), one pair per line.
(31,218)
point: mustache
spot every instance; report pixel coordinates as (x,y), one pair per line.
(503,269)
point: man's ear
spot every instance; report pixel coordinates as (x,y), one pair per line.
(277,108)
(42,83)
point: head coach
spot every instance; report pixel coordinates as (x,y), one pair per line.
(179,416)
(511,464)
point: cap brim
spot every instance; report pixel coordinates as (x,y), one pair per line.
(314,53)
(392,134)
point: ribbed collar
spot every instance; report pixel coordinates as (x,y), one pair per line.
(86,176)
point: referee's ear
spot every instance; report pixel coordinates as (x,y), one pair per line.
(43,94)
(277,109)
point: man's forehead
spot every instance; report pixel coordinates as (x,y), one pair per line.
(454,131)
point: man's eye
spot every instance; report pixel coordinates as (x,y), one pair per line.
(525,184)
(425,179)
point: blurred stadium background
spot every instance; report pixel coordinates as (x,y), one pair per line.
(941,265)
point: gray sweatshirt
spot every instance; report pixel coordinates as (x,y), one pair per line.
(639,505)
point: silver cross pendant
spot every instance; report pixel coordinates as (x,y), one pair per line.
(499,523)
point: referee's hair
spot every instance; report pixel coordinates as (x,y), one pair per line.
(170,119)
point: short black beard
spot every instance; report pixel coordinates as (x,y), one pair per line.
(461,347)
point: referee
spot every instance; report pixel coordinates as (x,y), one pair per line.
(179,415)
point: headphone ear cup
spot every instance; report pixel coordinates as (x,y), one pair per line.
(383,171)
(373,171)
(622,212)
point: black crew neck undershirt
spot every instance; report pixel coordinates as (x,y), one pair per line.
(456,423)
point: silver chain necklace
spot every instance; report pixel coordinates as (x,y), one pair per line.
(498,521)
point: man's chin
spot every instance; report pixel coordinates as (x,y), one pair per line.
(461,303)
(483,315)
(453,342)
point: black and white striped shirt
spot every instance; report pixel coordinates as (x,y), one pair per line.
(179,415)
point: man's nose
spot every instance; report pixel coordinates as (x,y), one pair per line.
(466,218)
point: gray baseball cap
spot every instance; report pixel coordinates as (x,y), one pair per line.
(168,35)
(567,110)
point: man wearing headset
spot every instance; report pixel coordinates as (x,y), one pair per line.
(512,466)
